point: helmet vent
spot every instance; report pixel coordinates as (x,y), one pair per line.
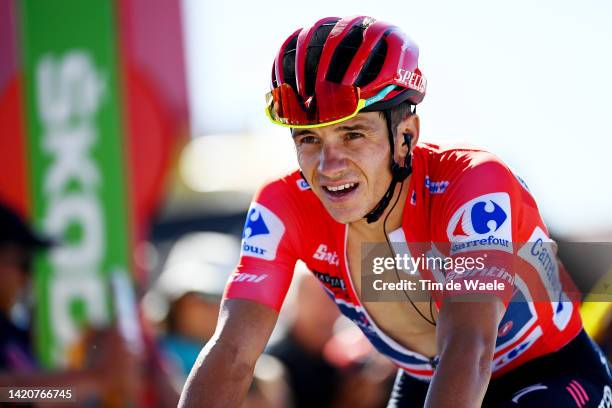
(344,53)
(313,55)
(373,64)
(289,62)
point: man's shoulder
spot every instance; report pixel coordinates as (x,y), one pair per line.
(284,211)
(289,196)
(460,172)
(453,151)
(457,159)
(288,185)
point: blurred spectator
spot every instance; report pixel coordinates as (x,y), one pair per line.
(309,367)
(110,370)
(186,297)
(17,245)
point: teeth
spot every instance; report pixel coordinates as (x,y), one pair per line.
(340,188)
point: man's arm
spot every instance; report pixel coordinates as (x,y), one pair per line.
(466,335)
(224,369)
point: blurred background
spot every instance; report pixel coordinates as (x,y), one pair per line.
(133,135)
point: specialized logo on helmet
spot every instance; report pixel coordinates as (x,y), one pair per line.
(482,223)
(411,80)
(262,233)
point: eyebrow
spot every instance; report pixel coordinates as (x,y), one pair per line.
(353,127)
(344,128)
(298,132)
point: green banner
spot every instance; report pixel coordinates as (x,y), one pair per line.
(77,165)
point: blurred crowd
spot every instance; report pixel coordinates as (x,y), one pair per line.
(315,358)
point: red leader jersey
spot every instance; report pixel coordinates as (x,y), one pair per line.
(458,195)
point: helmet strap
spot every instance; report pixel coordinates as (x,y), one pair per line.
(398,173)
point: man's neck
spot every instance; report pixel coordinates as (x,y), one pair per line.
(374,232)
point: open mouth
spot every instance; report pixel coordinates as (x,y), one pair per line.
(341,190)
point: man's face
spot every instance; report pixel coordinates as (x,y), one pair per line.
(346,164)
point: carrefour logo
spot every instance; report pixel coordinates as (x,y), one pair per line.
(255,225)
(262,233)
(484,221)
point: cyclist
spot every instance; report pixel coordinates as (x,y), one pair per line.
(348,89)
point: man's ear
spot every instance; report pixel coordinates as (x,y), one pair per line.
(410,125)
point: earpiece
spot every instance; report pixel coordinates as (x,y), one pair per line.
(407,139)
(398,173)
(401,173)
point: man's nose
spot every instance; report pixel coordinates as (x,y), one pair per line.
(332,161)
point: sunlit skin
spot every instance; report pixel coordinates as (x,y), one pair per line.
(355,151)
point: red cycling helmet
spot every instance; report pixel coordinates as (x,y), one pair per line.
(329,72)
